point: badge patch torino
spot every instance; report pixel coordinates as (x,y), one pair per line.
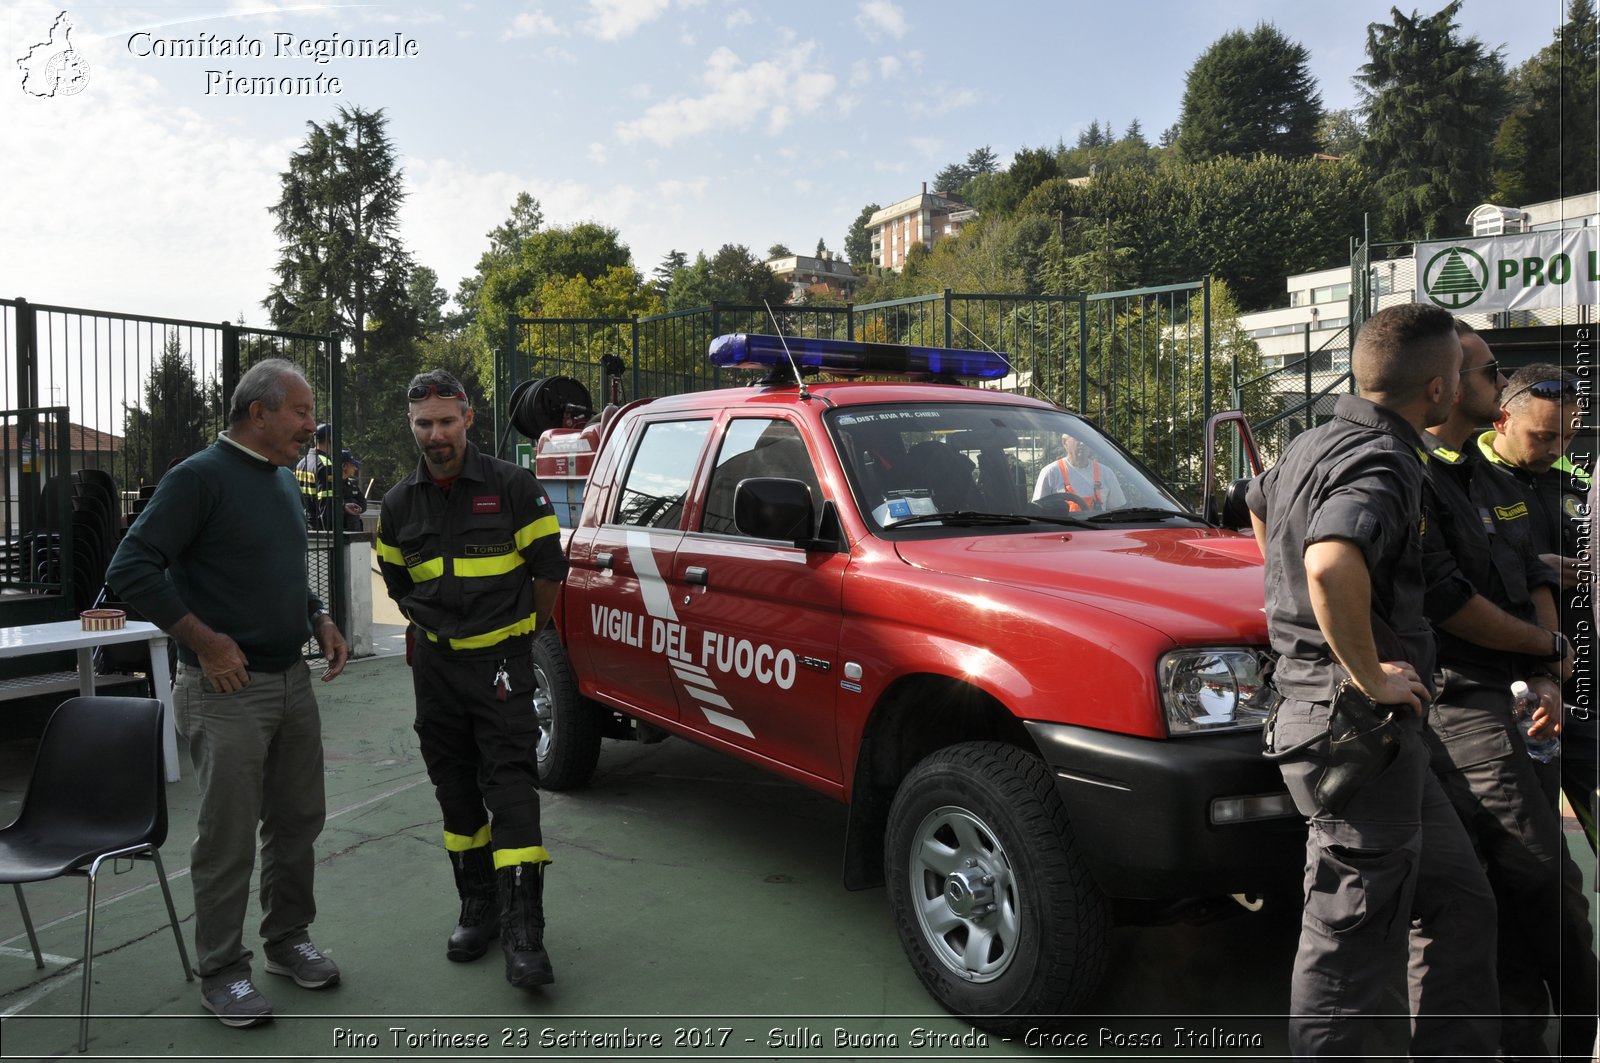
(485,503)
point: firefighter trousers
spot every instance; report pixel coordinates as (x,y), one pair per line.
(479,749)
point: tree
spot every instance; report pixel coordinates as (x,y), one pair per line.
(1546,147)
(822,247)
(778,251)
(341,266)
(858,239)
(175,420)
(1030,168)
(1432,103)
(1339,133)
(732,275)
(1247,94)
(661,276)
(958,175)
(505,246)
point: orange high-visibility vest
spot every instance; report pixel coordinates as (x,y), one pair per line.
(1095,500)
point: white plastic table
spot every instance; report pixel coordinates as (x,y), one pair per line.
(25,640)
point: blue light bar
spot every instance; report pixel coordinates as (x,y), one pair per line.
(744,350)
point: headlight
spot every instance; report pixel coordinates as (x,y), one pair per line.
(1205,691)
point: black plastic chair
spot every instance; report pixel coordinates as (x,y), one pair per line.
(98,793)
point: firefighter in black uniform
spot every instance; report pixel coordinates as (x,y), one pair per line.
(1546,494)
(314,474)
(1392,883)
(470,551)
(1486,593)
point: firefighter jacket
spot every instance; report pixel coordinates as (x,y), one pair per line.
(460,563)
(314,474)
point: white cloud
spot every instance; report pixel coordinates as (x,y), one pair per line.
(612,20)
(738,17)
(678,189)
(888,66)
(596,153)
(878,17)
(737,96)
(927,147)
(947,101)
(860,73)
(532,23)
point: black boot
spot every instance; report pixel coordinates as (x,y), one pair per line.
(522,923)
(480,916)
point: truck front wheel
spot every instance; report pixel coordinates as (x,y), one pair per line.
(992,901)
(569,724)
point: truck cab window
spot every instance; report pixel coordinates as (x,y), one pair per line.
(754,447)
(658,480)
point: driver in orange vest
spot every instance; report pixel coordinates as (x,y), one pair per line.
(1077,475)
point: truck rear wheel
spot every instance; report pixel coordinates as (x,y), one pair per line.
(569,724)
(993,903)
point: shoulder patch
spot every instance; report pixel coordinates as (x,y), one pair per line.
(1574,508)
(1511,512)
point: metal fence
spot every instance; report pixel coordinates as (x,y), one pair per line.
(1141,362)
(134,394)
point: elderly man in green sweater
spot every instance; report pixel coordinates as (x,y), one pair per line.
(218,560)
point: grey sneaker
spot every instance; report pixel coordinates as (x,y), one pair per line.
(309,968)
(237,1004)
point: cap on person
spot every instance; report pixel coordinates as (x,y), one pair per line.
(324,432)
(347,458)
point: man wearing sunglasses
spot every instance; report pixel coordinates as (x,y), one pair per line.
(1487,593)
(1538,421)
(470,552)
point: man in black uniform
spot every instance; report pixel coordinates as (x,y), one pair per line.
(470,551)
(1391,881)
(1482,595)
(1537,423)
(314,474)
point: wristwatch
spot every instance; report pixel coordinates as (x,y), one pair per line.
(1560,646)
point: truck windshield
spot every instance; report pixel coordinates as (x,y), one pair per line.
(912,463)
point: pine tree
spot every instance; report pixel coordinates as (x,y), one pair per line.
(341,267)
(1546,147)
(1431,102)
(1250,93)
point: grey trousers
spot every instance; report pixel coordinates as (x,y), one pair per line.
(1392,885)
(258,760)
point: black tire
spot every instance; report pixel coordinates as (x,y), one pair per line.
(980,825)
(569,724)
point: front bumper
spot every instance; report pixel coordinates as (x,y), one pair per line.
(1142,811)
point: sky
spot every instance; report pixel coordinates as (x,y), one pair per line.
(683,124)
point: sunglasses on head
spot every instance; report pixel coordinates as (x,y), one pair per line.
(1542,389)
(419,392)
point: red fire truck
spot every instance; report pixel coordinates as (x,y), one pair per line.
(1035,676)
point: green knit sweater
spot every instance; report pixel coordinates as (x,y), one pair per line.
(224,538)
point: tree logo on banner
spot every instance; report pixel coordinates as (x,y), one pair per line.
(1455,278)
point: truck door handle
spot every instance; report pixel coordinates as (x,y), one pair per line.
(602,560)
(695,574)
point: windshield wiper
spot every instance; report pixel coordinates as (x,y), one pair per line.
(970,518)
(1129,514)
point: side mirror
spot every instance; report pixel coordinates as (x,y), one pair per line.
(1235,511)
(767,507)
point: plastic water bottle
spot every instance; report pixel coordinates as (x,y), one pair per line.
(1523,703)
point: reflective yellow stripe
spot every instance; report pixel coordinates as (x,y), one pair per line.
(391,554)
(490,638)
(534,854)
(537,530)
(427,570)
(460,843)
(498,565)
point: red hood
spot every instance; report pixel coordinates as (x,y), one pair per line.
(1196,586)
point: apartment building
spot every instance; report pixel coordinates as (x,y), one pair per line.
(921,219)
